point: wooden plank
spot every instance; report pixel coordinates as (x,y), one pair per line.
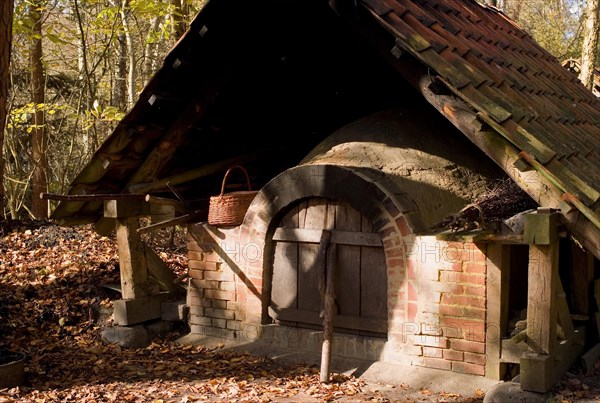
(497,289)
(464,236)
(205,170)
(582,277)
(311,267)
(132,259)
(373,280)
(129,312)
(337,237)
(339,321)
(284,293)
(160,272)
(181,220)
(122,209)
(90,197)
(540,227)
(348,262)
(542,288)
(164,201)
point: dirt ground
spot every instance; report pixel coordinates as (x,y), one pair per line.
(54,304)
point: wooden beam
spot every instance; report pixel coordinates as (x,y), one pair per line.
(123,209)
(582,277)
(181,220)
(163,201)
(160,272)
(90,197)
(542,289)
(337,236)
(541,227)
(132,259)
(197,173)
(498,280)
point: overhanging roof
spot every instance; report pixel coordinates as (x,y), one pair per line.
(477,67)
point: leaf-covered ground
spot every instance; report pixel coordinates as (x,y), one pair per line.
(53,305)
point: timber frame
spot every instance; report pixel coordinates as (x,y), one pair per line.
(462,60)
(543,356)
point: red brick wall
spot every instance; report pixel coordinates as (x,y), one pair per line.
(446,301)
(212,288)
(436,289)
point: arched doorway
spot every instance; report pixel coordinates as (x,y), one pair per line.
(298,269)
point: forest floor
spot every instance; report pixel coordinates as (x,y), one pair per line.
(52,297)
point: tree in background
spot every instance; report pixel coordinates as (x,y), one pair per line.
(97,57)
(39,183)
(6,18)
(589,50)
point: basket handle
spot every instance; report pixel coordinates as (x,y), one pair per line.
(227,175)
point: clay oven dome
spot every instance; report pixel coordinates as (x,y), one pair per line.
(439,169)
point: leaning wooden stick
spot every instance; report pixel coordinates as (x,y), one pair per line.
(329,305)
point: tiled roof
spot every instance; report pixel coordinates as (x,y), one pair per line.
(514,86)
(487,60)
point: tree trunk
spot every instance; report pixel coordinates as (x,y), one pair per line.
(590,44)
(39,207)
(151,49)
(6,18)
(125,10)
(179,17)
(120,81)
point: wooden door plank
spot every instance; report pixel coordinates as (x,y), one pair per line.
(285,275)
(348,263)
(310,267)
(337,236)
(373,283)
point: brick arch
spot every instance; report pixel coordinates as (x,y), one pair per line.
(365,190)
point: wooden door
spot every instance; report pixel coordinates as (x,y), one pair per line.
(360,271)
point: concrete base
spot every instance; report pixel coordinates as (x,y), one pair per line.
(381,375)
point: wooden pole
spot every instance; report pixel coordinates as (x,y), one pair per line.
(543,281)
(132,259)
(329,305)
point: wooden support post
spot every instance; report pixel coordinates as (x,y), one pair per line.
(329,305)
(132,259)
(498,277)
(582,277)
(541,232)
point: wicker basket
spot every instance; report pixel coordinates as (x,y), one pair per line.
(230,208)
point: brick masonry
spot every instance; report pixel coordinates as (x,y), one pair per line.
(436,289)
